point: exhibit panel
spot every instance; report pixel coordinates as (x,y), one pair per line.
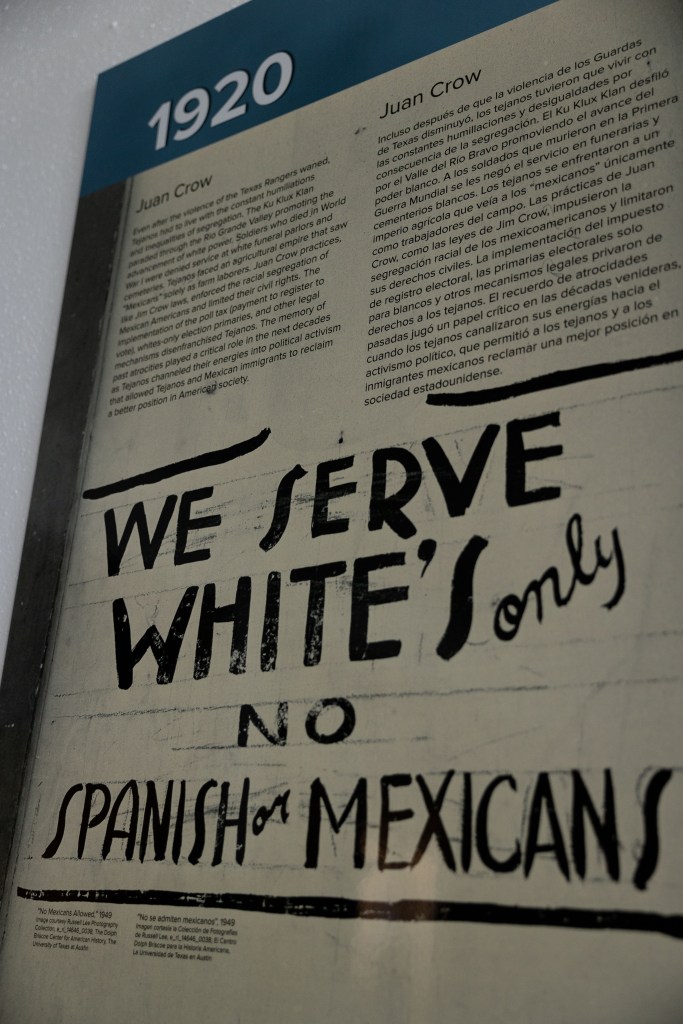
(362,689)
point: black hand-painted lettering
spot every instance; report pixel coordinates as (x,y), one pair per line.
(238,614)
(271,623)
(325,492)
(187,523)
(517,457)
(543,799)
(434,826)
(130,796)
(511,610)
(283,503)
(316,576)
(137,519)
(362,599)
(54,844)
(90,819)
(387,816)
(650,851)
(159,821)
(342,731)
(199,827)
(458,494)
(165,652)
(240,823)
(388,508)
(510,863)
(318,797)
(462,600)
(605,827)
(250,716)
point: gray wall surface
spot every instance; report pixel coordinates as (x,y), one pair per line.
(50,56)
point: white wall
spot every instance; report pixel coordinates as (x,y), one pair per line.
(50,55)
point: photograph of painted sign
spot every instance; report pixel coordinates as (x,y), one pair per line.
(361,694)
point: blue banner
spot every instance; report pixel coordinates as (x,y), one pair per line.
(260,61)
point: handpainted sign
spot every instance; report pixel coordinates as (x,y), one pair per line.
(362,688)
